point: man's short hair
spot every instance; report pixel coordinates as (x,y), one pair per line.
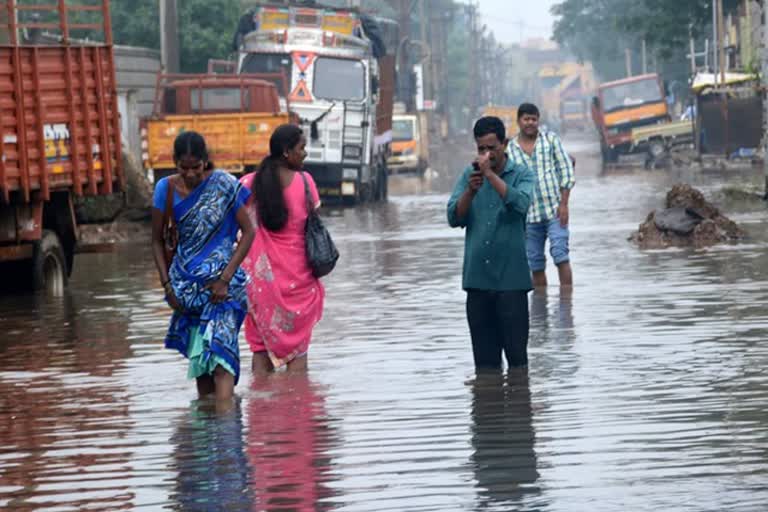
(490,124)
(528,109)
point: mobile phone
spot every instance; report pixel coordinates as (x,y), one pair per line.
(476,166)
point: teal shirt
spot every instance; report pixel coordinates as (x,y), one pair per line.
(494,248)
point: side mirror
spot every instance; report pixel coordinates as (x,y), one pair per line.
(374,85)
(596,101)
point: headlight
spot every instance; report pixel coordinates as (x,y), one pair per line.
(349,174)
(352,152)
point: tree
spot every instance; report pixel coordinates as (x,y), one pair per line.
(600,30)
(206,28)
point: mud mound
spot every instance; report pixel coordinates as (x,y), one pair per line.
(688,220)
(136,196)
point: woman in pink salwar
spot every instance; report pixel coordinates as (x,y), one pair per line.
(285,300)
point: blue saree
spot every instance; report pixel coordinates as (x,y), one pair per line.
(204,332)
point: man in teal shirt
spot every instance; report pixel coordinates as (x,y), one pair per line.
(491,201)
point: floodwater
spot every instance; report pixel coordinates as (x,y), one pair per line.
(647,390)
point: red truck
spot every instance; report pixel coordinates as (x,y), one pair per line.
(60,132)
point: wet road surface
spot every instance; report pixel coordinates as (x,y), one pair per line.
(648,385)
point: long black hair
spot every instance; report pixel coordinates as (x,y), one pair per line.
(192,144)
(267,190)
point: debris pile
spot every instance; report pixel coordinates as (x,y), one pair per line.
(687,221)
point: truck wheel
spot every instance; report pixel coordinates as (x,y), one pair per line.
(49,265)
(609,155)
(657,149)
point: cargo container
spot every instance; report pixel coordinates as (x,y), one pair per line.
(60,132)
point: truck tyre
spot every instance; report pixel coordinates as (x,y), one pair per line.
(609,155)
(49,265)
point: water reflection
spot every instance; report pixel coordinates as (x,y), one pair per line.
(289,438)
(58,416)
(504,460)
(210,461)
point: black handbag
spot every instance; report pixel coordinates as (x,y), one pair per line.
(321,251)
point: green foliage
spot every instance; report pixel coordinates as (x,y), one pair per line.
(206,28)
(136,22)
(600,30)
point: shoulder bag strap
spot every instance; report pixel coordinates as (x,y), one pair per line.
(168,219)
(310,206)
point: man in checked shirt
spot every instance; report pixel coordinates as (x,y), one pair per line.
(542,152)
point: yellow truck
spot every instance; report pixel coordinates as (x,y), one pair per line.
(235,113)
(623,106)
(409,145)
(507,114)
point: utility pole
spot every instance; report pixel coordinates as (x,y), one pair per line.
(645,58)
(721,40)
(715,39)
(169,36)
(472,89)
(764,78)
(428,69)
(628,61)
(404,61)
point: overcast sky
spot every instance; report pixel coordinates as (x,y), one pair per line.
(503,17)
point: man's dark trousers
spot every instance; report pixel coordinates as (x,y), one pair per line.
(498,321)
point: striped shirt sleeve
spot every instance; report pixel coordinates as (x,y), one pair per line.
(563,164)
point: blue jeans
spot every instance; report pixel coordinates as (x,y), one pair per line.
(536,235)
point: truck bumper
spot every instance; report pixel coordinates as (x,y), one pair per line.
(403,164)
(335,180)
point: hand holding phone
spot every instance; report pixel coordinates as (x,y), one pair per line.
(475,177)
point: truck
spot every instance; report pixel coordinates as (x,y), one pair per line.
(508,115)
(574,115)
(624,105)
(410,144)
(235,113)
(658,140)
(60,132)
(341,69)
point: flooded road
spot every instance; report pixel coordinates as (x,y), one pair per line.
(648,385)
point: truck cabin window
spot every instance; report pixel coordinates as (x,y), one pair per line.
(217,99)
(169,100)
(269,63)
(402,130)
(632,94)
(339,79)
(573,107)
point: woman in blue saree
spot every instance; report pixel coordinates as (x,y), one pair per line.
(204,284)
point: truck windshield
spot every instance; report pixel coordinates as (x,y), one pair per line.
(631,95)
(339,79)
(573,107)
(402,129)
(269,63)
(220,98)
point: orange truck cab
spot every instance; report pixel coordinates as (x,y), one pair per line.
(235,113)
(623,105)
(408,145)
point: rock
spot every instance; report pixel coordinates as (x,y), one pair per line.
(678,220)
(688,220)
(96,209)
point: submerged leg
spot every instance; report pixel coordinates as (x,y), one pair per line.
(261,366)
(300,364)
(205,385)
(224,384)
